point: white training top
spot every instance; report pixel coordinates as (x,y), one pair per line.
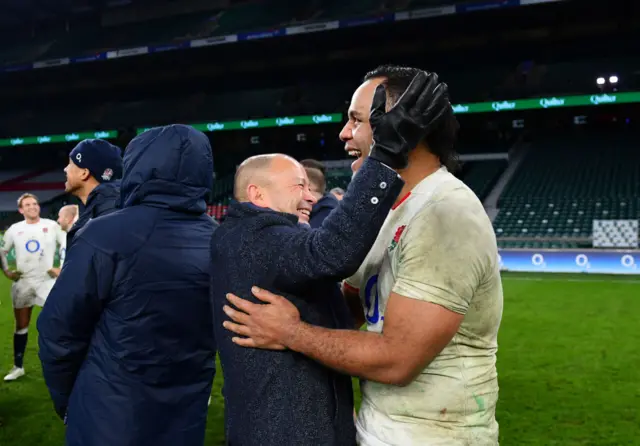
(437,245)
(35,246)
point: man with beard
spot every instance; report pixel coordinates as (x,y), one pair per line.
(95,165)
(277,398)
(430,292)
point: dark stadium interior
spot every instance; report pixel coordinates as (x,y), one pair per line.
(544,174)
(494,55)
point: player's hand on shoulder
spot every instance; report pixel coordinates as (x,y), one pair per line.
(54,272)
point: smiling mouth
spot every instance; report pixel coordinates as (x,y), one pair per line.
(306,212)
(355,153)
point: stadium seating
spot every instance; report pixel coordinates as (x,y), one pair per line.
(339,178)
(337,9)
(565,183)
(87,39)
(481,176)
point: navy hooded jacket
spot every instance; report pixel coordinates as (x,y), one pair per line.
(126,337)
(277,398)
(102,200)
(322,209)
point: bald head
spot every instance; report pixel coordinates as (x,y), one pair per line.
(67,216)
(277,182)
(260,170)
(71,210)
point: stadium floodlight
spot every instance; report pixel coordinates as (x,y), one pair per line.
(613,79)
(600,81)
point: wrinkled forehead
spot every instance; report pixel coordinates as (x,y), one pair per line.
(363,97)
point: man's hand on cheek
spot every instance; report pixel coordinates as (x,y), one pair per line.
(267,326)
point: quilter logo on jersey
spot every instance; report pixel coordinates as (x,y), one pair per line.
(396,238)
(45,230)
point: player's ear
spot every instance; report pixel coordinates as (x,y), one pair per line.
(85,175)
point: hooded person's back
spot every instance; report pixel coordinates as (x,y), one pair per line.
(135,363)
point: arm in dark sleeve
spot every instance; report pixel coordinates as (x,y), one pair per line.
(68,319)
(336,249)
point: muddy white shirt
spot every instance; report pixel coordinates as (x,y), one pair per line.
(438,246)
(35,246)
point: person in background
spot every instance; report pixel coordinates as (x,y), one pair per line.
(126,337)
(325,203)
(95,165)
(34,240)
(67,216)
(337,192)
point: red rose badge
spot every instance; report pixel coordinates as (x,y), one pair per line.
(396,238)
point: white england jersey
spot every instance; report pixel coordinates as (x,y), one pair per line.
(35,245)
(437,245)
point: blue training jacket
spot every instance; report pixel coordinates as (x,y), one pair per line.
(102,200)
(126,337)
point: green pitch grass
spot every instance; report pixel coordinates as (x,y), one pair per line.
(568,364)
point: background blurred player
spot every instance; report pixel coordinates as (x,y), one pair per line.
(317,182)
(34,240)
(338,192)
(67,217)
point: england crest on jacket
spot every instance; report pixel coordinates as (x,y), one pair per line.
(107,174)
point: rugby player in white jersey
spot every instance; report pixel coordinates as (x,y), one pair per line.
(67,216)
(34,240)
(432,298)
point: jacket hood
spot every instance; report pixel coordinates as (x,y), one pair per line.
(169,167)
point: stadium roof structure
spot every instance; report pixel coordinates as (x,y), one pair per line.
(20,13)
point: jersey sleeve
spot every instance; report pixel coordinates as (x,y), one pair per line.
(7,244)
(438,261)
(354,283)
(7,240)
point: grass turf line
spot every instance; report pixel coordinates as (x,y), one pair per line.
(567,363)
